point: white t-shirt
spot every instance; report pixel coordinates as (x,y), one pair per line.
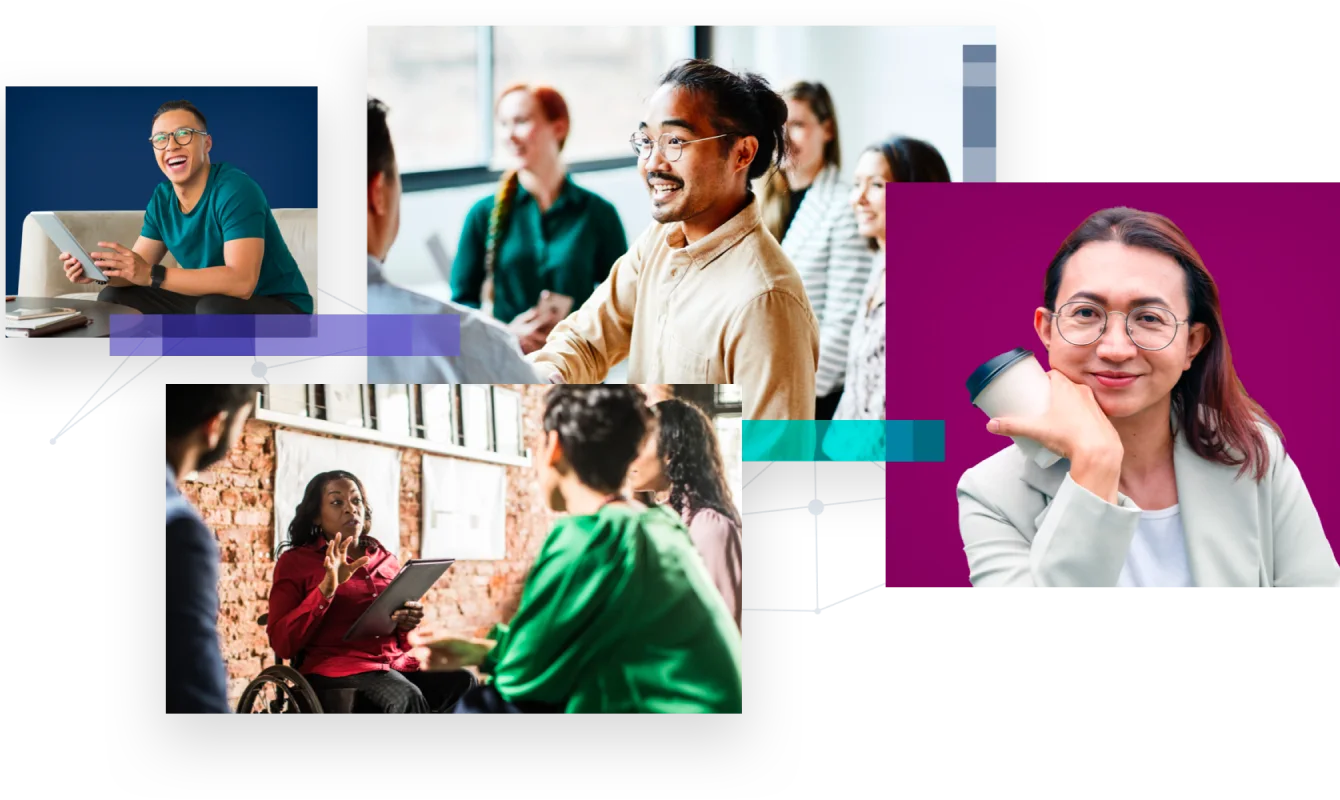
(1158,551)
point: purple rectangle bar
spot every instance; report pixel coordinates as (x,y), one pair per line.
(286,335)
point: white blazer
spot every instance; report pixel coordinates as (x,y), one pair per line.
(1027,526)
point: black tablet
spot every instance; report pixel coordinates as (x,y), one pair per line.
(413,582)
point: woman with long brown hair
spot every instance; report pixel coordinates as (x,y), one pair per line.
(539,232)
(680,464)
(805,206)
(1172,475)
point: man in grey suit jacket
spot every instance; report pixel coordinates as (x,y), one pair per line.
(489,352)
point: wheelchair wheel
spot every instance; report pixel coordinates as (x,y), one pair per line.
(279,690)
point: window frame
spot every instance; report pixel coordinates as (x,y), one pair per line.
(414,441)
(457,177)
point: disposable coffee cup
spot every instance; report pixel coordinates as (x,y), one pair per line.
(1014,384)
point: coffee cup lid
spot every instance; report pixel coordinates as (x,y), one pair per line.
(983,375)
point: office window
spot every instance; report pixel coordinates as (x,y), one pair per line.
(342,404)
(439,413)
(392,408)
(287,398)
(475,417)
(728,396)
(441,84)
(430,79)
(507,421)
(604,73)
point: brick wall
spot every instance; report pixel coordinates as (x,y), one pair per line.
(236,499)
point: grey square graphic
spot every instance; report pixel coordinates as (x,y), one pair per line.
(979,164)
(977,73)
(979,52)
(979,116)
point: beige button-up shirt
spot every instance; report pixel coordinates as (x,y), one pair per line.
(729,308)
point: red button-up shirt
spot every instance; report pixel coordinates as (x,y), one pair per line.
(302,619)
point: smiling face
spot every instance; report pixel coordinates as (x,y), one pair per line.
(867,198)
(528,138)
(806,137)
(342,509)
(181,163)
(1126,380)
(704,174)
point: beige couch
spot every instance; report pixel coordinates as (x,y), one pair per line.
(41,275)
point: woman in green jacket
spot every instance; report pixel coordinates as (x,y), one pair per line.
(618,613)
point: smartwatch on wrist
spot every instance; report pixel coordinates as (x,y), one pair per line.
(156,275)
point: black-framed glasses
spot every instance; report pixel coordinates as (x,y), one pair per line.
(672,147)
(1149,327)
(182,135)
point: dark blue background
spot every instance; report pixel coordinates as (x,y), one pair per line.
(87,148)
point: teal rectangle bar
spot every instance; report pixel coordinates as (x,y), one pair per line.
(902,443)
(897,440)
(929,440)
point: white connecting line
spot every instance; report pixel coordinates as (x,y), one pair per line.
(81,416)
(814,552)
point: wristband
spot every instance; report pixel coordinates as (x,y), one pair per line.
(156,275)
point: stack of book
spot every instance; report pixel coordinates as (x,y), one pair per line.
(31,322)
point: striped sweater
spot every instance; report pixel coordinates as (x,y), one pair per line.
(834,262)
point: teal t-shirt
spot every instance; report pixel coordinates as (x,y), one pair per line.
(232,207)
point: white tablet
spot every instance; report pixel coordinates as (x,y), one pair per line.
(413,582)
(62,238)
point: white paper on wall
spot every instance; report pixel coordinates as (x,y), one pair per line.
(300,456)
(464,513)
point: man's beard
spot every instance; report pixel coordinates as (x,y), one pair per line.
(221,449)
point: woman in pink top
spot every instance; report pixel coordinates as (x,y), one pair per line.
(681,464)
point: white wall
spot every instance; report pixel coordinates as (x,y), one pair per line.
(883,81)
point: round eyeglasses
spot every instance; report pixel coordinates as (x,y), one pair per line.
(182,135)
(1149,327)
(672,147)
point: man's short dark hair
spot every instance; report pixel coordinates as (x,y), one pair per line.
(741,103)
(190,405)
(600,427)
(181,105)
(381,155)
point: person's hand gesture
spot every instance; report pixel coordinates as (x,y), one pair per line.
(1073,425)
(448,652)
(122,262)
(408,616)
(337,564)
(73,269)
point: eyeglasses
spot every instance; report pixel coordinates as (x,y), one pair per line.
(672,147)
(182,135)
(1149,327)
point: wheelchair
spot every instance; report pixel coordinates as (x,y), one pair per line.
(281,689)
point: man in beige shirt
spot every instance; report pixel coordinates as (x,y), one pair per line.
(705,295)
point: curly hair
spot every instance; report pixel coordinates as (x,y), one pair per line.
(600,427)
(302,531)
(687,445)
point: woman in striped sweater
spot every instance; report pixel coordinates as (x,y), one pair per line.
(894,160)
(806,206)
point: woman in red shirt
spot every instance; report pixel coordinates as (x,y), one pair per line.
(329,573)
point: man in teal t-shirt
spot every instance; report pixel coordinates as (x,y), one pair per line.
(217,224)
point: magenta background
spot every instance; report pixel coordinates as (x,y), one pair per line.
(988,244)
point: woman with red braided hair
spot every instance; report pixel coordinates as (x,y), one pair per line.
(539,232)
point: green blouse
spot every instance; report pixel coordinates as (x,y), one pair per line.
(618,614)
(568,249)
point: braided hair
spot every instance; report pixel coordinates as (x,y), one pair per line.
(555,109)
